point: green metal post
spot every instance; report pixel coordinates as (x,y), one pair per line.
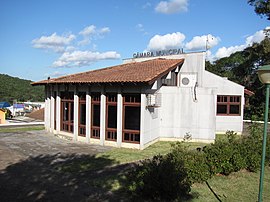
(264,141)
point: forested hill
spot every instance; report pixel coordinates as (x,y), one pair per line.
(12,88)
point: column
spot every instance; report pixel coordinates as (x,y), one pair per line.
(46,114)
(58,110)
(88,115)
(52,111)
(102,116)
(48,109)
(143,105)
(76,115)
(119,118)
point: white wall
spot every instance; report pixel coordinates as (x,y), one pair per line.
(181,114)
(225,87)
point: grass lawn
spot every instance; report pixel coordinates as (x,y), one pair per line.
(122,155)
(240,186)
(20,129)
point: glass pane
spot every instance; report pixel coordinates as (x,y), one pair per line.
(133,98)
(65,111)
(126,136)
(234,109)
(222,109)
(137,137)
(96,115)
(82,114)
(112,98)
(112,117)
(132,118)
(71,104)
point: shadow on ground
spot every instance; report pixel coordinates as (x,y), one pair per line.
(59,178)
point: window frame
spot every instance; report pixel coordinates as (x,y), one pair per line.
(82,127)
(228,101)
(67,98)
(131,102)
(95,100)
(111,133)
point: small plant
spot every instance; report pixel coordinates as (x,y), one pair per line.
(187,137)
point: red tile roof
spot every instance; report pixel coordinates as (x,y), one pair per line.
(136,72)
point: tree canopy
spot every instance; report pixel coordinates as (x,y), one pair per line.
(13,88)
(241,67)
(262,7)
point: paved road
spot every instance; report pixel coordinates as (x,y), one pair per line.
(36,166)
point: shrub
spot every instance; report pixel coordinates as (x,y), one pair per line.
(161,178)
(225,156)
(252,147)
(194,162)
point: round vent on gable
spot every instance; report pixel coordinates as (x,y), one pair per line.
(185,81)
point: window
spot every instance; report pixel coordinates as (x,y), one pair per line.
(170,81)
(67,109)
(132,117)
(82,114)
(228,105)
(111,122)
(95,128)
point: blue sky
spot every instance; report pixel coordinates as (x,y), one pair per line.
(57,37)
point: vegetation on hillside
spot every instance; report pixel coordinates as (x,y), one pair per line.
(241,67)
(13,88)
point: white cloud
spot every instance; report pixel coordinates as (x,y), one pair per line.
(257,37)
(148,4)
(54,42)
(91,32)
(54,74)
(172,6)
(226,52)
(165,42)
(88,30)
(200,42)
(104,30)
(83,58)
(140,28)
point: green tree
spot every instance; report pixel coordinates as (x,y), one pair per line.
(262,7)
(241,67)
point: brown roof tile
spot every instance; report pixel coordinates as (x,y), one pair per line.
(136,72)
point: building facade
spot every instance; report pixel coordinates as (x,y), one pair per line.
(142,101)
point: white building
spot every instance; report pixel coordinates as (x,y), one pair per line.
(144,100)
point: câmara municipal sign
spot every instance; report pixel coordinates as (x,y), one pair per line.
(158,53)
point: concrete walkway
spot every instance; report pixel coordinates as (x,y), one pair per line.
(21,145)
(37,166)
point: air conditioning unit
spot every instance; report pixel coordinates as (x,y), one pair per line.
(188,80)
